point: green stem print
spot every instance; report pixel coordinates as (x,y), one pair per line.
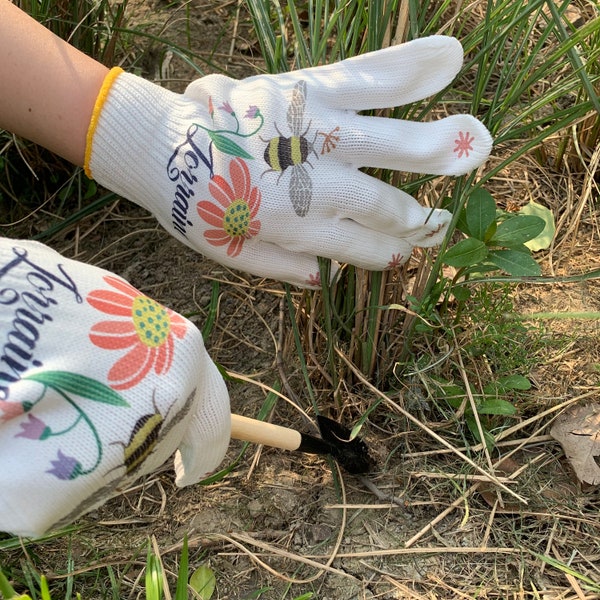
(221,138)
(67,385)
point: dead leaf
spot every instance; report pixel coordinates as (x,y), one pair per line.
(578,432)
(507,466)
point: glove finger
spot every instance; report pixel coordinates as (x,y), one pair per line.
(266,259)
(454,145)
(369,201)
(358,219)
(206,439)
(393,76)
(350,242)
(381,207)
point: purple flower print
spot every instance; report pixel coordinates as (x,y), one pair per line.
(34,429)
(65,467)
(252,112)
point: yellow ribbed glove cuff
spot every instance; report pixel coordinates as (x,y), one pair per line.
(98,106)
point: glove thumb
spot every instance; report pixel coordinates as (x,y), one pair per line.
(207,436)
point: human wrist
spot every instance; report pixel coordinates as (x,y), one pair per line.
(48,86)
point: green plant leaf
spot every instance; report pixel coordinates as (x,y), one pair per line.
(452,393)
(466,253)
(507,384)
(461,292)
(488,438)
(496,406)
(6,590)
(490,232)
(228,146)
(91,191)
(181,591)
(544,239)
(44,589)
(480,213)
(154,577)
(514,382)
(461,224)
(557,564)
(515,262)
(80,385)
(204,582)
(517,230)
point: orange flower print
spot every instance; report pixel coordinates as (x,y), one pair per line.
(233,215)
(142,326)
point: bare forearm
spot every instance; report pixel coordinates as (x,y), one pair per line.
(47,87)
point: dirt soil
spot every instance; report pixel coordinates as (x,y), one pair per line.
(282,524)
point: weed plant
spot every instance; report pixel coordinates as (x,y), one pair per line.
(530,75)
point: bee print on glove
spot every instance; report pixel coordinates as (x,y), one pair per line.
(292,153)
(149,430)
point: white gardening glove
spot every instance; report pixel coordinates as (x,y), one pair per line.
(99,385)
(263,174)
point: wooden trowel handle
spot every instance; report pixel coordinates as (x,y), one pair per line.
(259,432)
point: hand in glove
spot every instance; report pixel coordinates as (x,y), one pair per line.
(263,174)
(99,385)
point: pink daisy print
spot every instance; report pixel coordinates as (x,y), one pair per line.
(141,326)
(233,214)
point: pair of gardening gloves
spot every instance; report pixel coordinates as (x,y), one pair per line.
(100,384)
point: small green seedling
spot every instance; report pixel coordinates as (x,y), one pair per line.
(496,239)
(489,404)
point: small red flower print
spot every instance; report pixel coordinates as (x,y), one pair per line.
(142,326)
(331,140)
(314,280)
(435,231)
(463,144)
(234,214)
(397,260)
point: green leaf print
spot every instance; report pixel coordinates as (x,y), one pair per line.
(80,385)
(225,145)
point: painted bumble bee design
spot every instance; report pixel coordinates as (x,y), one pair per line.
(292,153)
(147,433)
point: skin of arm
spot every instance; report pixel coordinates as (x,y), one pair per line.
(48,87)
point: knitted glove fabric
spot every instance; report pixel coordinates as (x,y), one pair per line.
(263,174)
(99,384)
